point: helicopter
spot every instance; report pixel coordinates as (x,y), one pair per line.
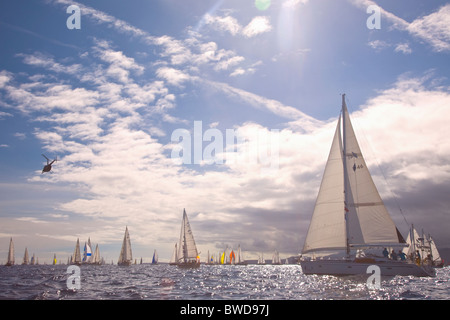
(48,166)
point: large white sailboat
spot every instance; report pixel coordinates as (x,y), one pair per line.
(350,223)
(187,255)
(125,257)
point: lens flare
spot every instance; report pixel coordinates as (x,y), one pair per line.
(262,4)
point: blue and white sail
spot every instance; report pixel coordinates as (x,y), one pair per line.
(87,254)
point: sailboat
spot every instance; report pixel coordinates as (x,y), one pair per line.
(437,260)
(187,255)
(96,257)
(26,259)
(276,258)
(422,249)
(261,259)
(240,260)
(222,258)
(87,253)
(32,261)
(10,261)
(349,218)
(232,257)
(76,257)
(155,257)
(174,258)
(125,257)
(54,259)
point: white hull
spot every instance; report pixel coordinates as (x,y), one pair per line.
(349,267)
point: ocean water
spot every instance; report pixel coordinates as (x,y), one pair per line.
(243,283)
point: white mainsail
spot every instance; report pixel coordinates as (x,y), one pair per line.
(413,244)
(239,257)
(10,261)
(26,259)
(174,258)
(187,250)
(96,256)
(327,227)
(437,260)
(76,257)
(125,257)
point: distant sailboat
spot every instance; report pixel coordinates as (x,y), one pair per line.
(125,257)
(174,258)
(96,257)
(187,255)
(54,259)
(10,261)
(26,259)
(76,257)
(261,260)
(276,258)
(422,249)
(155,257)
(87,253)
(33,260)
(232,257)
(239,259)
(350,216)
(437,260)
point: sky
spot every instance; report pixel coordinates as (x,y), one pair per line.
(225,108)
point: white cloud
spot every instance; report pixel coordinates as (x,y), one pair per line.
(172,76)
(433,28)
(227,23)
(403,48)
(291,4)
(4,78)
(257,26)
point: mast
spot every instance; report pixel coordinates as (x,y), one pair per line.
(344,159)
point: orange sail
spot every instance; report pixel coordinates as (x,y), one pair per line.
(232,257)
